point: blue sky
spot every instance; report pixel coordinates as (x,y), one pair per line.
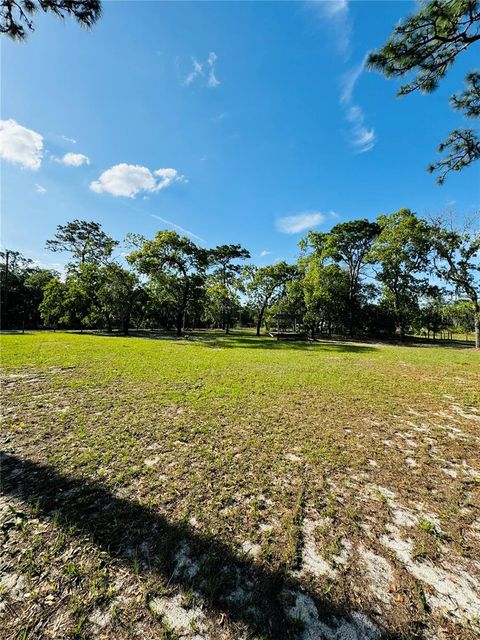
(238,122)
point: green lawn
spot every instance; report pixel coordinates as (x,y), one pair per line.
(233,486)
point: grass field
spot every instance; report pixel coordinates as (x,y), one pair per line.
(235,487)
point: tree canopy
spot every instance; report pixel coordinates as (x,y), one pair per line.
(398,275)
(16,16)
(426,45)
(86,241)
(457,260)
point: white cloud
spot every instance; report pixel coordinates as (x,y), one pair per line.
(54,266)
(196,71)
(203,70)
(40,189)
(71,140)
(299,222)
(129,179)
(212,79)
(178,227)
(265,253)
(362,139)
(349,81)
(336,13)
(74,159)
(221,116)
(334,7)
(20,145)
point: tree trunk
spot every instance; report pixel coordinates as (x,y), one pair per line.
(180,320)
(5,300)
(227,320)
(179,324)
(477,326)
(260,320)
(125,325)
(351,305)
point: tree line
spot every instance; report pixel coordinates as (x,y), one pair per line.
(398,275)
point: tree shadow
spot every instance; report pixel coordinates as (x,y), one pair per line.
(144,540)
(243,340)
(15,332)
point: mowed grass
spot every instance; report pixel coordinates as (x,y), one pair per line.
(276,454)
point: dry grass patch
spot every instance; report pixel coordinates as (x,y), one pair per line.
(229,487)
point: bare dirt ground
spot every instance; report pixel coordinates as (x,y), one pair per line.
(201,531)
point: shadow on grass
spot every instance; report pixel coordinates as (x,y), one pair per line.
(233,341)
(145,541)
(242,340)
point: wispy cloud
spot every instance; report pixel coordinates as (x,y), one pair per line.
(265,253)
(130,179)
(299,222)
(203,70)
(71,140)
(362,139)
(178,227)
(337,15)
(59,267)
(194,73)
(221,116)
(20,145)
(40,189)
(212,79)
(349,81)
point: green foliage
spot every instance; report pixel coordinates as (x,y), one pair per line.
(432,316)
(402,253)
(176,284)
(469,100)
(326,291)
(21,286)
(16,15)
(84,240)
(177,263)
(264,284)
(457,261)
(52,307)
(427,44)
(463,147)
(461,316)
(348,245)
(288,310)
(225,281)
(120,294)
